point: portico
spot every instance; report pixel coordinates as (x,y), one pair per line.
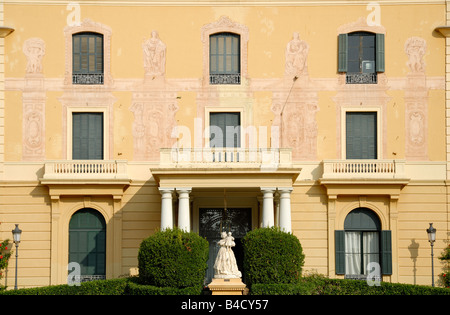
(270,188)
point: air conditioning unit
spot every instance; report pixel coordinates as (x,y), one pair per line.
(368,66)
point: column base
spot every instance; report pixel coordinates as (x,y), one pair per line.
(233,286)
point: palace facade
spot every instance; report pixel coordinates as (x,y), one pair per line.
(328,119)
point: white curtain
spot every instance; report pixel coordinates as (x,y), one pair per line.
(353,253)
(371,249)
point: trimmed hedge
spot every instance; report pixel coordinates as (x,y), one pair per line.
(98,287)
(317,285)
(121,286)
(272,256)
(173,258)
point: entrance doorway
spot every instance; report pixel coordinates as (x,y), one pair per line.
(213,221)
(87,243)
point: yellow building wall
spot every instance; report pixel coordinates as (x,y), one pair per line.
(25,201)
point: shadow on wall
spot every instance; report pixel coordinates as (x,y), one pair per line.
(413,253)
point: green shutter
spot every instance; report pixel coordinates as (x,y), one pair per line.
(342,57)
(87,241)
(361,135)
(379,53)
(386,253)
(231,136)
(87,136)
(339,244)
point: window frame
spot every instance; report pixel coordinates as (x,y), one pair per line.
(225,76)
(224,111)
(225,25)
(379,126)
(102,110)
(88,26)
(379,58)
(87,76)
(384,244)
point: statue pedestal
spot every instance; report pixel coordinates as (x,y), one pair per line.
(233,286)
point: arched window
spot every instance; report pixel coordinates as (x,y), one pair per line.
(87,58)
(362,247)
(225,58)
(87,243)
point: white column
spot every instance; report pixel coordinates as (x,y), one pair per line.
(267,213)
(184,220)
(166,208)
(285,209)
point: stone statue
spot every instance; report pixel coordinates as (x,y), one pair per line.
(225,266)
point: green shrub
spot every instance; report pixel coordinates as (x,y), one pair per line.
(136,288)
(98,287)
(320,285)
(272,256)
(173,258)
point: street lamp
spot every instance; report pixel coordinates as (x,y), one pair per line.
(16,236)
(432,238)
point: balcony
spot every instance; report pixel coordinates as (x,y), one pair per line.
(226,158)
(225,167)
(364,177)
(363,169)
(85,171)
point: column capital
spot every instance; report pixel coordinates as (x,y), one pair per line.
(165,189)
(183,189)
(285,189)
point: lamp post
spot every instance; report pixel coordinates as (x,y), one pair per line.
(432,238)
(16,236)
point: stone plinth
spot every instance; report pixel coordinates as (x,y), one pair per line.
(233,286)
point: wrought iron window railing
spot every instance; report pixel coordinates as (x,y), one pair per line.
(361,78)
(225,78)
(87,78)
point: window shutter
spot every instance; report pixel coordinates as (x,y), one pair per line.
(342,57)
(339,244)
(386,253)
(379,52)
(87,136)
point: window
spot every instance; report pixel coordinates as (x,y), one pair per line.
(361,135)
(362,243)
(225,130)
(87,58)
(87,243)
(224,59)
(361,57)
(87,136)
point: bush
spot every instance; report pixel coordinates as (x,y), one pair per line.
(320,285)
(98,287)
(272,256)
(445,276)
(173,258)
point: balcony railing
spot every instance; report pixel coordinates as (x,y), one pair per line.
(85,169)
(363,169)
(225,78)
(225,157)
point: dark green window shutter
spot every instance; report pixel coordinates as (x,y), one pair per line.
(386,253)
(87,54)
(87,136)
(361,135)
(380,53)
(229,123)
(87,241)
(339,244)
(342,57)
(224,52)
